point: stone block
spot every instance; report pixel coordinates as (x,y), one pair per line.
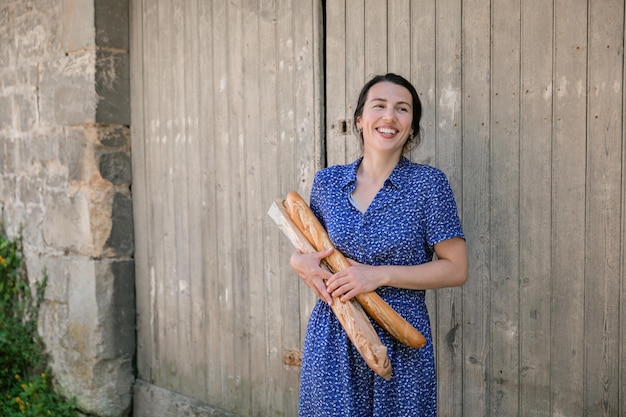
(122,237)
(7,191)
(115,292)
(95,364)
(78,22)
(67,93)
(112,23)
(67,225)
(74,148)
(58,271)
(112,80)
(37,32)
(7,37)
(114,137)
(52,327)
(37,149)
(6,114)
(24,112)
(31,226)
(29,190)
(152,401)
(115,167)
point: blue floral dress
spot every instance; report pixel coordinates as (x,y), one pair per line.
(414,210)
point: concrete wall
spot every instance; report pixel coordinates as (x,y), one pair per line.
(65,177)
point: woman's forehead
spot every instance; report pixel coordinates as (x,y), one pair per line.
(388,91)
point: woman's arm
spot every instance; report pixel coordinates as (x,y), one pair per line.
(449,269)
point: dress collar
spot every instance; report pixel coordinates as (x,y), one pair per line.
(396,178)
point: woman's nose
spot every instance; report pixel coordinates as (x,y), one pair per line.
(389,114)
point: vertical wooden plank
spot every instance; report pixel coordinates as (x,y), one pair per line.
(196,203)
(447,335)
(313,143)
(375,35)
(255,144)
(335,83)
(167,302)
(169,155)
(150,107)
(505,214)
(476,205)
(399,37)
(423,60)
(208,136)
(535,206)
(238,355)
(224,191)
(179,201)
(241,71)
(622,330)
(270,135)
(308,107)
(356,73)
(602,234)
(568,207)
(287,172)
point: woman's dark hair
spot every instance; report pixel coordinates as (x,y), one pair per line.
(417,105)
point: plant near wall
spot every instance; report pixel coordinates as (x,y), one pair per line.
(25,388)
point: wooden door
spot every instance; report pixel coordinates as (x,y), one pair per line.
(226,118)
(524,111)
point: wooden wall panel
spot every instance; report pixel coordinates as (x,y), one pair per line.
(568,207)
(476,116)
(505,214)
(524,111)
(447,308)
(603,220)
(228,120)
(516,147)
(535,206)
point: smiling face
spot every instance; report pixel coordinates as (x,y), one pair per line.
(387,117)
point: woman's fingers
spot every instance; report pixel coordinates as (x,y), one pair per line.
(356,279)
(307,266)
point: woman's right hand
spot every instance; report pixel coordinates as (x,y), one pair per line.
(307,266)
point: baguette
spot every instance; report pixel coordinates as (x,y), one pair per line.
(351,315)
(301,214)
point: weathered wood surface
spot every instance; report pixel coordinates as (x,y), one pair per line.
(507,116)
(226,118)
(523,109)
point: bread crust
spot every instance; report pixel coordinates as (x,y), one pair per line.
(350,314)
(303,217)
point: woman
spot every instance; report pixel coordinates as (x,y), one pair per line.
(388,216)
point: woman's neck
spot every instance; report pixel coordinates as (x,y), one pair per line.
(376,168)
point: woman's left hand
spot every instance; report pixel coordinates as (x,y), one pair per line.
(354,280)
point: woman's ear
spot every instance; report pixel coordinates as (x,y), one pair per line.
(358,123)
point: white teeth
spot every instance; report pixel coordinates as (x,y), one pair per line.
(387,131)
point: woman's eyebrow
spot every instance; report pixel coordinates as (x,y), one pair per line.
(385,100)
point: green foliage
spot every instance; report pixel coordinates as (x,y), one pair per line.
(25,388)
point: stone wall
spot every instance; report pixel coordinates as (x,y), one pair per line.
(65,179)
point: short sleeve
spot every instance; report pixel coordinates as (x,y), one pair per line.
(315,199)
(442,222)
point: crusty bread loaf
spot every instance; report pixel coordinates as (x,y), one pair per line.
(303,217)
(351,315)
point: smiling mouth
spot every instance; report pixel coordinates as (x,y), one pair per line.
(387,131)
